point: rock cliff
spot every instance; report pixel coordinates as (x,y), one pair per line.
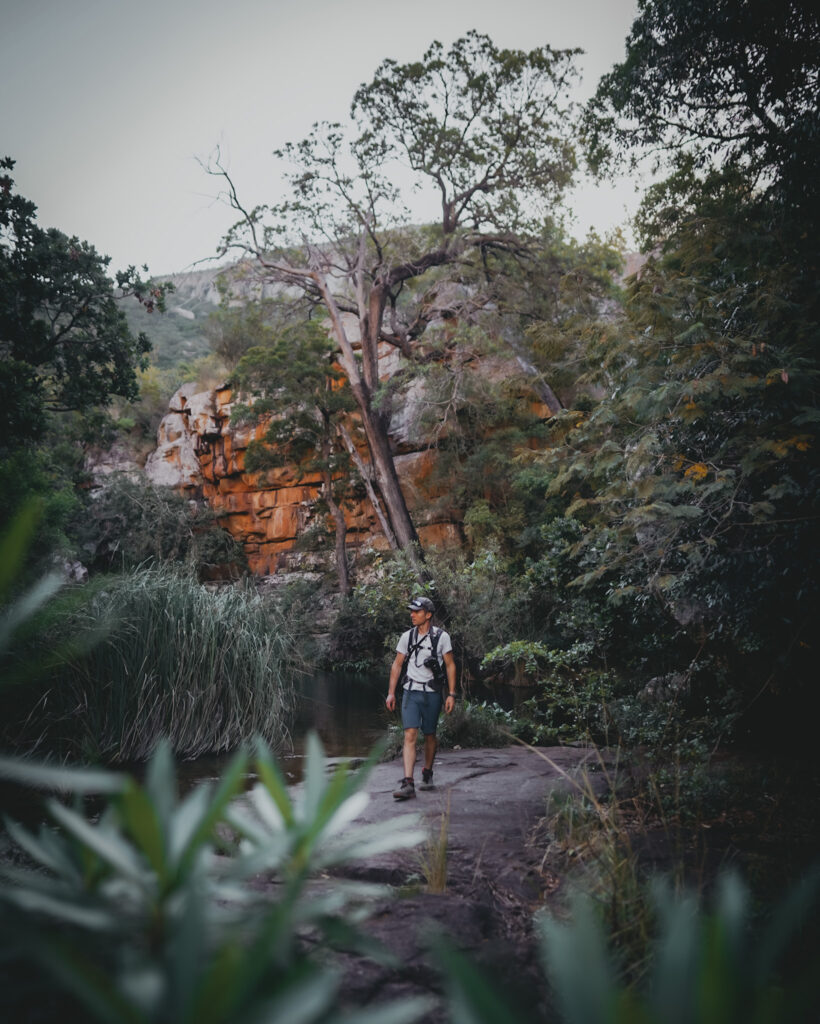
(200,453)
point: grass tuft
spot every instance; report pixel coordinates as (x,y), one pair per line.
(433,855)
(154,653)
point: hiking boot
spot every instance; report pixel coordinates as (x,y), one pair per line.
(426,778)
(406,790)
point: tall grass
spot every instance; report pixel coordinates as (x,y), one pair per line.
(433,855)
(169,657)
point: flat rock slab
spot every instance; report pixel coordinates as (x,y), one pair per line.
(496,874)
(493,798)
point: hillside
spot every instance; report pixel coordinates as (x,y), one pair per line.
(177,335)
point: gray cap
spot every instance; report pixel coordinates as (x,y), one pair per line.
(421,603)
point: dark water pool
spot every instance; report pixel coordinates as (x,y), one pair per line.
(347,712)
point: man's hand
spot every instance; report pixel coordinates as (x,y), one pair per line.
(390,702)
(449,703)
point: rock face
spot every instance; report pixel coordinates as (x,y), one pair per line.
(201,454)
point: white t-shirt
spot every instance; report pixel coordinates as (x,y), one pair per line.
(417,671)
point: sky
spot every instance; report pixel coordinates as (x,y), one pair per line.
(109,106)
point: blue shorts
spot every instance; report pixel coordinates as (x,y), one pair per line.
(420,710)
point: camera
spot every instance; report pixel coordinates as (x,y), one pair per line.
(431,663)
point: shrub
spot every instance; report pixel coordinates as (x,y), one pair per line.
(469,725)
(129,915)
(372,617)
(132,522)
(476,725)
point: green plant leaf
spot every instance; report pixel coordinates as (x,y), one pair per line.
(314,784)
(303,1002)
(229,785)
(43,849)
(471,1000)
(61,779)
(673,987)
(142,821)
(14,545)
(103,841)
(402,1011)
(273,781)
(161,782)
(88,982)
(65,910)
(576,960)
(789,917)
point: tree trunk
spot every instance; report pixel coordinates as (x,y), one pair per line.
(341,533)
(339,520)
(366,476)
(375,425)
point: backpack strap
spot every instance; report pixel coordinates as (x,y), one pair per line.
(435,633)
(412,646)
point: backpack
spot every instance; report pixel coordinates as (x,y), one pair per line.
(414,645)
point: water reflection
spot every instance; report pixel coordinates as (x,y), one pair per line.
(348,713)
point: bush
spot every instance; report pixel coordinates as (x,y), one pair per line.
(373,616)
(477,725)
(469,725)
(130,915)
(133,522)
(152,653)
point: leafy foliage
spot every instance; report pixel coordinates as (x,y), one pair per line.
(303,397)
(64,340)
(236,327)
(130,523)
(705,965)
(733,82)
(696,481)
(133,915)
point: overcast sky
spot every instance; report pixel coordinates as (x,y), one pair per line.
(107,104)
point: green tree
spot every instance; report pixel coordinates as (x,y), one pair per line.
(732,81)
(64,341)
(487,131)
(689,470)
(695,479)
(304,397)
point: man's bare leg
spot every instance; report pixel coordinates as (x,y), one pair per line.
(430,747)
(409,752)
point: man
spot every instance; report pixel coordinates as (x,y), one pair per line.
(423,648)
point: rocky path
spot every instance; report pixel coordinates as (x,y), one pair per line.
(496,875)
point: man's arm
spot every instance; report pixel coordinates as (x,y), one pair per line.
(450,668)
(395,672)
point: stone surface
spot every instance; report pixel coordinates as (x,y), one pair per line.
(104,463)
(200,453)
(497,876)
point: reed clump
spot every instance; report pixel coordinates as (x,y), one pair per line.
(153,653)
